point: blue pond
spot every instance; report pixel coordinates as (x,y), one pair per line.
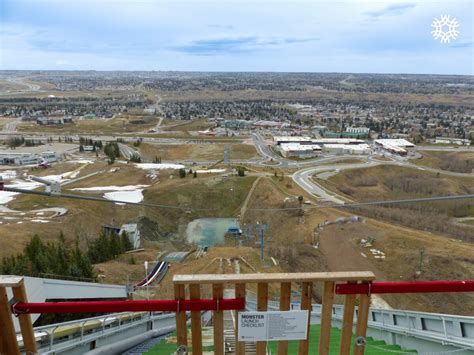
(209,231)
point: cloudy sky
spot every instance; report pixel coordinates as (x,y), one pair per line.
(244,35)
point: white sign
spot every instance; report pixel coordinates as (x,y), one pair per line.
(273,325)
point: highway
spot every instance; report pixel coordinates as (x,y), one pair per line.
(304,179)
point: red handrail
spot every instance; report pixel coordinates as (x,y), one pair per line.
(406,287)
(130,306)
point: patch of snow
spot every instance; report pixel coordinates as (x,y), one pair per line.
(8,174)
(81,161)
(111,188)
(7,196)
(153,166)
(211,171)
(39,221)
(125,196)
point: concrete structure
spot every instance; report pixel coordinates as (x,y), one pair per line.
(447,140)
(133,234)
(299,150)
(40,290)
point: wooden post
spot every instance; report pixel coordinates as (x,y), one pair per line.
(196,333)
(362,320)
(8,343)
(285,299)
(240,345)
(262,299)
(218,321)
(306,296)
(326,317)
(181,327)
(347,322)
(26,326)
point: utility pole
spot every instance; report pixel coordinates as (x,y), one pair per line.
(262,228)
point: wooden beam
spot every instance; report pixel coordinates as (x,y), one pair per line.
(8,343)
(274,277)
(10,281)
(181,327)
(26,326)
(218,321)
(326,317)
(362,320)
(285,300)
(347,322)
(196,332)
(239,293)
(306,297)
(262,304)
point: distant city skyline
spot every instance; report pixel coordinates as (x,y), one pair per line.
(271,36)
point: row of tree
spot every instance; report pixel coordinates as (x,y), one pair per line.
(41,258)
(108,247)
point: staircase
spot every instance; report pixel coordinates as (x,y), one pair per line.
(229,330)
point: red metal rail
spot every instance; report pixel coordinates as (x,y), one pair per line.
(406,287)
(130,306)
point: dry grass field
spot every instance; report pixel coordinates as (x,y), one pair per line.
(201,152)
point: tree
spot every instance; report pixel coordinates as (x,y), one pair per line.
(240,172)
(182,173)
(195,174)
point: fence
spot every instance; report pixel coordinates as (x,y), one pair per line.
(350,284)
(285,280)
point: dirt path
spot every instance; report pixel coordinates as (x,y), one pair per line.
(247,199)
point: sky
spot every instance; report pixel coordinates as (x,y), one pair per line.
(358,36)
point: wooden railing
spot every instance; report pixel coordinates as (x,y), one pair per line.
(305,281)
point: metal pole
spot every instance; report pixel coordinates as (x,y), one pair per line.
(146,276)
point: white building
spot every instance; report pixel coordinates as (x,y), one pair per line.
(299,150)
(447,140)
(347,148)
(359,130)
(395,146)
(49,157)
(7,158)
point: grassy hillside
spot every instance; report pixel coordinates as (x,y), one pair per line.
(392,182)
(461,162)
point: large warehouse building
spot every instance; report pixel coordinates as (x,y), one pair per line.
(395,146)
